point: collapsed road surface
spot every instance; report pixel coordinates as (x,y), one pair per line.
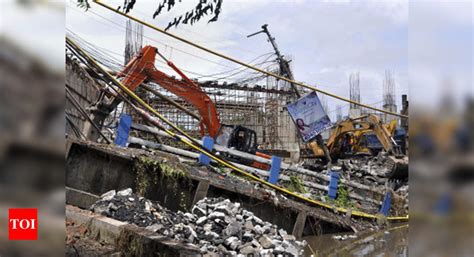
(94,169)
(216,225)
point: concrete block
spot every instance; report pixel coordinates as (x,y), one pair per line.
(137,241)
(80,198)
(106,229)
(77,215)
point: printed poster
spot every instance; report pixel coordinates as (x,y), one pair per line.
(309,116)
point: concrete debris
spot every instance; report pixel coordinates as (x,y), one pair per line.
(403,191)
(215,225)
(371,168)
(373,171)
(248,225)
(343,237)
(108,195)
(233,229)
(201,220)
(266,242)
(125,192)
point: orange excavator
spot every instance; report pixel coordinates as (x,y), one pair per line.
(141,69)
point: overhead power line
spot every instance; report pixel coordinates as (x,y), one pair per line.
(105,58)
(122,28)
(245,64)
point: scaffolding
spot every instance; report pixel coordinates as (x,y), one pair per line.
(255,101)
(389,103)
(258,107)
(133,39)
(354,87)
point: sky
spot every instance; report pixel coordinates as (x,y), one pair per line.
(426,44)
(37,28)
(326,40)
(440,53)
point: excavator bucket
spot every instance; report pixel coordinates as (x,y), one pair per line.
(398,167)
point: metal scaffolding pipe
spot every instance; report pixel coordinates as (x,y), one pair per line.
(284,166)
(170,101)
(259,172)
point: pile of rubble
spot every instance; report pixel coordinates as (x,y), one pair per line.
(372,171)
(366,169)
(363,169)
(376,171)
(216,225)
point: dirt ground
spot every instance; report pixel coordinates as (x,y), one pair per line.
(78,243)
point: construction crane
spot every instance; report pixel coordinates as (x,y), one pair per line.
(284,64)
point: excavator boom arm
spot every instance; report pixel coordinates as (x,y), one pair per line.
(141,68)
(372,124)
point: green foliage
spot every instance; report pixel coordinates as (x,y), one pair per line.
(296,185)
(169,171)
(342,199)
(149,171)
(222,168)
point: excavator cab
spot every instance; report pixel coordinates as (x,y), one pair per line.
(242,139)
(369,143)
(237,137)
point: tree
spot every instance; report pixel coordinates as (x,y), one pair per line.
(202,9)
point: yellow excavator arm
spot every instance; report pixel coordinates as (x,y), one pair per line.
(357,128)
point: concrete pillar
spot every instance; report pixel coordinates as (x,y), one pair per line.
(201,191)
(298,228)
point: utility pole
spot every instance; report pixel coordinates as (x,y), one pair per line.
(285,70)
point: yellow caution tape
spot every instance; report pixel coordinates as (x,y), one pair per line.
(188,141)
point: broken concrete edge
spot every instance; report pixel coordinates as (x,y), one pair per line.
(202,174)
(128,237)
(80,198)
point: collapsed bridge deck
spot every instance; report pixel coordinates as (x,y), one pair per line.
(93,169)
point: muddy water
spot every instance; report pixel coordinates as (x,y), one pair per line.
(391,242)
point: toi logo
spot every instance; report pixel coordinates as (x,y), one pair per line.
(23,224)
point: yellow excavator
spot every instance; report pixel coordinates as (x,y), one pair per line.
(366,134)
(376,138)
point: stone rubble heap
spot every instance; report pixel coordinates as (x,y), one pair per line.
(368,169)
(372,171)
(216,225)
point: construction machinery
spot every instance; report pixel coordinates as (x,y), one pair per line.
(364,135)
(141,69)
(366,141)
